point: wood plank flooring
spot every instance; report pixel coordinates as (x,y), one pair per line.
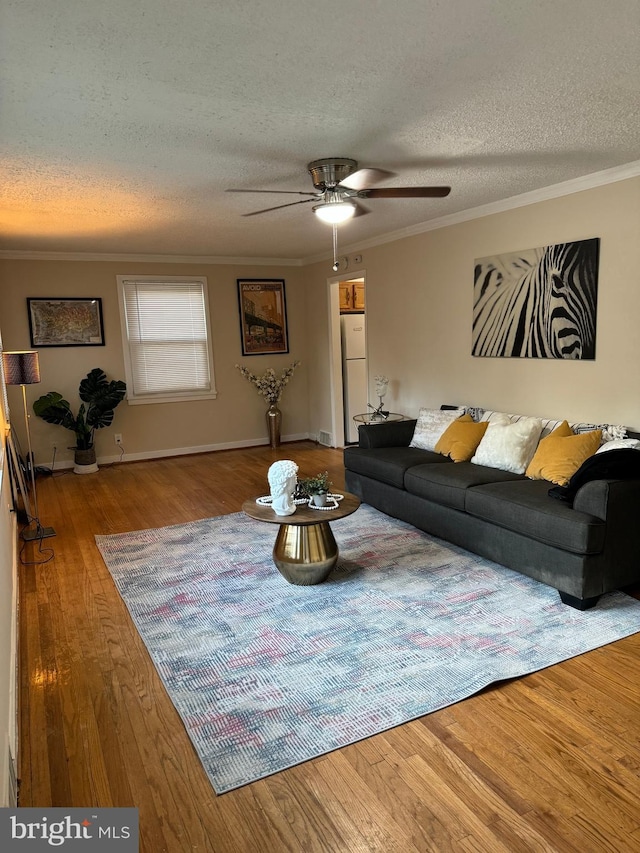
(549,762)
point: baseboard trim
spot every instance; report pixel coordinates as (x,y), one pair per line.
(185,451)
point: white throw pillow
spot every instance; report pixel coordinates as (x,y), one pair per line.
(508,446)
(620,444)
(431,424)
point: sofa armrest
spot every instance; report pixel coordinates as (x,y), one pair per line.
(604,497)
(616,501)
(390,434)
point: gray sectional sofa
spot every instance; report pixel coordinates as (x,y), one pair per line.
(582,550)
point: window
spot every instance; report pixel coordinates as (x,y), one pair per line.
(165,332)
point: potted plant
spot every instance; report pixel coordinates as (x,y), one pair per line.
(316,488)
(99,399)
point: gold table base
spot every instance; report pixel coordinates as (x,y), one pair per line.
(305,554)
(305,549)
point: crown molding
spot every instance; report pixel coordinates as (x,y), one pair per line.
(575,185)
(18,255)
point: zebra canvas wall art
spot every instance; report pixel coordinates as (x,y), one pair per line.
(539,303)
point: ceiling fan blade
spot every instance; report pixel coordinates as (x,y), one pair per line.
(281,192)
(364,178)
(279,206)
(406,192)
(360,208)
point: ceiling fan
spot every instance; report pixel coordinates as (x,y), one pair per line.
(339,183)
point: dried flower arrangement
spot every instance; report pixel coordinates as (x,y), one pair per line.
(269,385)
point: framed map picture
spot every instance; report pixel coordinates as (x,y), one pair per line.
(73,322)
(263,316)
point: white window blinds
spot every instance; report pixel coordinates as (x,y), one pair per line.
(167,338)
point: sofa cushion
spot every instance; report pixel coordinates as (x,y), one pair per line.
(461,438)
(560,454)
(431,424)
(448,484)
(508,445)
(388,464)
(525,507)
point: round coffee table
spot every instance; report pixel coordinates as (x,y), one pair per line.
(305,550)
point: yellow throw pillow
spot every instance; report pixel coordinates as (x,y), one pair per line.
(461,438)
(560,454)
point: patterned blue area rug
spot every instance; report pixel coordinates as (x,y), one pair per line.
(266,675)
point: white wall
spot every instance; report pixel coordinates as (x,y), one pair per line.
(419,314)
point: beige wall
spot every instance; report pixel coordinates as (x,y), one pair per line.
(8,617)
(419,308)
(419,311)
(236,417)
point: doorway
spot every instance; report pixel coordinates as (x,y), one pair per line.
(347,298)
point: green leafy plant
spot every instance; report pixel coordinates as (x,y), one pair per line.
(99,399)
(317,485)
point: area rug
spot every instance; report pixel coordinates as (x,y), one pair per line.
(266,675)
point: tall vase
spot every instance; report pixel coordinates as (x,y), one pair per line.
(274,419)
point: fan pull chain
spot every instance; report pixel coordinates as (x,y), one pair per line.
(334,228)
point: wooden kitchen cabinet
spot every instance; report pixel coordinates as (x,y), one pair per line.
(351,296)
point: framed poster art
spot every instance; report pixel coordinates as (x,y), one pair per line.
(263,316)
(68,322)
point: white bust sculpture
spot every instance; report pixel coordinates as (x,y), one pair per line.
(282,478)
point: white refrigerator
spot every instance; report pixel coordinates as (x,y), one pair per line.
(354,371)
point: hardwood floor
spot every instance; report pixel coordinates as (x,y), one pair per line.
(549,762)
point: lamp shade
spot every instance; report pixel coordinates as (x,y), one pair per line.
(21,368)
(335,212)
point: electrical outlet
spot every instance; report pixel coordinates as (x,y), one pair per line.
(118,438)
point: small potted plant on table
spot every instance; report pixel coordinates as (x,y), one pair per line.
(316,488)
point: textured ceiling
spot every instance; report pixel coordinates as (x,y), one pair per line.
(123,123)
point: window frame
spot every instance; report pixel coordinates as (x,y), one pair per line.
(164,397)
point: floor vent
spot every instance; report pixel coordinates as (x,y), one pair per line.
(324,438)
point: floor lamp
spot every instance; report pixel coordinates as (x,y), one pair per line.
(23,368)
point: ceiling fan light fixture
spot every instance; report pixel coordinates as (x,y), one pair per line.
(335,212)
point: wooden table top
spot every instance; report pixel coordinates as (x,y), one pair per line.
(303,514)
